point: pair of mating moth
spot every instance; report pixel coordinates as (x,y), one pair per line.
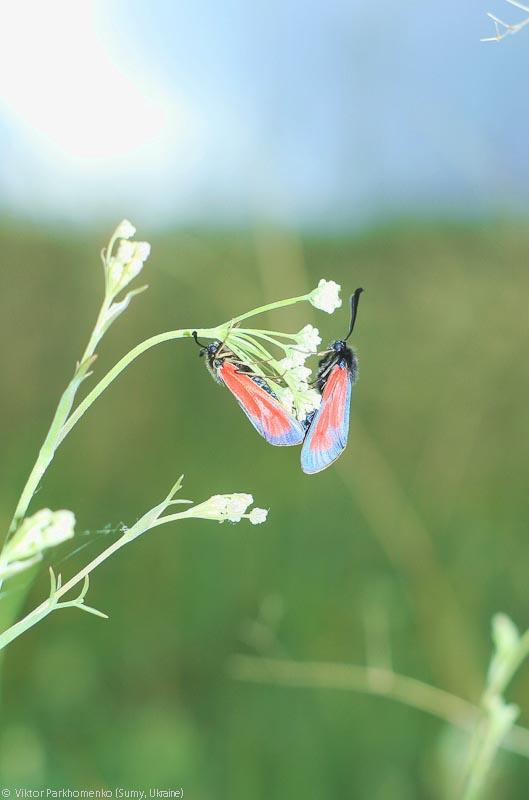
(324,432)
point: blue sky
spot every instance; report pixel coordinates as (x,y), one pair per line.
(304,113)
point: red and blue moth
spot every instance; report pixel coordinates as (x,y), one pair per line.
(328,426)
(253,394)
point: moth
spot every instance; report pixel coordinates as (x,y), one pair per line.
(253,394)
(328,426)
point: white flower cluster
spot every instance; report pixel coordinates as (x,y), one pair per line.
(121,267)
(231,507)
(298,397)
(128,261)
(125,230)
(44,529)
(300,401)
(287,377)
(326,296)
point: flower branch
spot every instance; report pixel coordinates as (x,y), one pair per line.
(231,507)
(123,260)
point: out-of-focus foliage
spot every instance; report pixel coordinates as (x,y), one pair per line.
(422,523)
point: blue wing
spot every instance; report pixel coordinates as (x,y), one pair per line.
(327,435)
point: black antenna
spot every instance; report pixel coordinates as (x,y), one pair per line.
(195,337)
(355,297)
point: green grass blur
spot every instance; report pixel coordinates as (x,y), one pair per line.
(422,525)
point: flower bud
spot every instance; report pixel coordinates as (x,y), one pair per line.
(125,251)
(126,265)
(258,515)
(326,296)
(125,230)
(37,533)
(237,506)
(222,507)
(306,401)
(309,338)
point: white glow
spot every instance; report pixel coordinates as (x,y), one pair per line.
(77,93)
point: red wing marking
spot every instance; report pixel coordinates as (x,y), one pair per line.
(333,402)
(266,414)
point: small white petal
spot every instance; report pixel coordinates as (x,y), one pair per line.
(133,269)
(301,374)
(286,364)
(309,338)
(214,508)
(218,503)
(44,529)
(128,261)
(125,230)
(295,375)
(143,250)
(326,296)
(126,251)
(286,398)
(295,357)
(258,515)
(307,401)
(15,567)
(60,529)
(237,505)
(299,357)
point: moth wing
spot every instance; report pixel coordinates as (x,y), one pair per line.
(327,435)
(266,414)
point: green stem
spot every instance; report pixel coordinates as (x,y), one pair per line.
(496,721)
(144,524)
(489,742)
(45,608)
(117,369)
(46,453)
(271,307)
(518,655)
(250,335)
(370,680)
(63,422)
(52,440)
(267,334)
(220,332)
(96,334)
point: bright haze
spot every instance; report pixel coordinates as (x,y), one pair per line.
(325,114)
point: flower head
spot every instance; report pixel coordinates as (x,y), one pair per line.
(143,250)
(35,534)
(294,357)
(237,505)
(124,263)
(126,251)
(298,397)
(231,507)
(279,357)
(308,400)
(296,371)
(309,338)
(258,515)
(326,296)
(125,230)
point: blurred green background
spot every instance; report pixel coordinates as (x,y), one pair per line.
(420,528)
